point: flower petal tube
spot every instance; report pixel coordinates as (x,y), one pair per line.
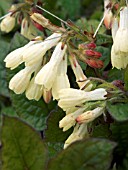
(46,76)
(73,97)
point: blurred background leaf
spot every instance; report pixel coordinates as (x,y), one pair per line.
(22,147)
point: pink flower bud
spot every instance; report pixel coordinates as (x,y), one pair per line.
(97,54)
(90,53)
(94,63)
(91,45)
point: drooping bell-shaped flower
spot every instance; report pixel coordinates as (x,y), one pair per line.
(81,79)
(90,115)
(61,80)
(119,51)
(70,120)
(20,81)
(36,52)
(79,132)
(27,29)
(119,60)
(15,58)
(48,73)
(34,91)
(73,97)
(7,24)
(121,40)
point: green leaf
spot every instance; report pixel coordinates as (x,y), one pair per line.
(54,136)
(4,48)
(70,9)
(10,111)
(115,74)
(101,131)
(106,53)
(118,111)
(120,135)
(102,39)
(22,147)
(4,6)
(53,133)
(90,154)
(33,112)
(54,148)
(85,24)
(18,41)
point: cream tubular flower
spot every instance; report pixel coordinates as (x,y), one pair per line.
(73,97)
(32,33)
(119,60)
(41,20)
(37,51)
(89,116)
(27,29)
(121,40)
(24,27)
(61,80)
(70,120)
(80,76)
(34,91)
(80,131)
(20,81)
(48,73)
(15,58)
(7,24)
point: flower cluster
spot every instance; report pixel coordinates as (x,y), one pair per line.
(42,77)
(45,76)
(90,55)
(78,114)
(17,16)
(45,72)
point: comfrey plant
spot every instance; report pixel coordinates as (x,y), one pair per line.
(54,64)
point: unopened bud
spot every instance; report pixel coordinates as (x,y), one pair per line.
(91,45)
(89,116)
(87,46)
(90,53)
(97,54)
(108,16)
(108,20)
(47,95)
(94,63)
(116,6)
